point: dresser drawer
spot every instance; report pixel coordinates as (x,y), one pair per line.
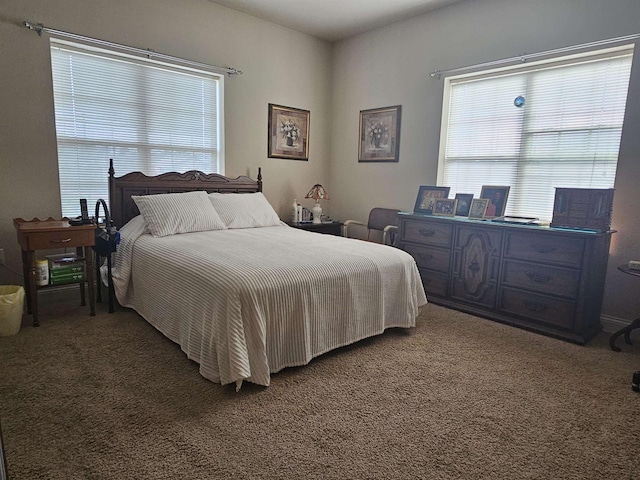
(549,310)
(432,258)
(544,279)
(545,248)
(59,239)
(430,233)
(434,283)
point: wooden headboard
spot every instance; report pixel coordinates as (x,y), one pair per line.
(123,208)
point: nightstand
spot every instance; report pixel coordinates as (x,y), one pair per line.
(50,234)
(329,228)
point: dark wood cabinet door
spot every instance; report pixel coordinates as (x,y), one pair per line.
(476,265)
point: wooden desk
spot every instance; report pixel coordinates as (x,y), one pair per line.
(47,234)
(626,331)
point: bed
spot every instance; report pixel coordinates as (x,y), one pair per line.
(245,301)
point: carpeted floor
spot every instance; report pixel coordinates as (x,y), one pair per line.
(456,398)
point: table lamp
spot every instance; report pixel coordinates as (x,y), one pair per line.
(317,192)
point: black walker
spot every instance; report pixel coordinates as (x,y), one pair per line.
(105,244)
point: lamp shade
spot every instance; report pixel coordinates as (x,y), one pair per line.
(317,192)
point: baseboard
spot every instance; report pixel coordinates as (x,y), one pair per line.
(612,324)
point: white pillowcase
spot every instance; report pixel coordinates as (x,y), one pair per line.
(171,213)
(244,210)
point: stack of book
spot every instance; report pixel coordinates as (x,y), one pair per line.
(65,268)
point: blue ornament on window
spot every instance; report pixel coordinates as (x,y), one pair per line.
(519,101)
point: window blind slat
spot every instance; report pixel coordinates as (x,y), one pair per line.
(150,118)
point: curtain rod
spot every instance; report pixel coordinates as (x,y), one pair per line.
(527,56)
(39,28)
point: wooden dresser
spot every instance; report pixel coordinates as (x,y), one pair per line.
(549,280)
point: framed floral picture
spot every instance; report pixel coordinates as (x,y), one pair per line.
(288,133)
(380,134)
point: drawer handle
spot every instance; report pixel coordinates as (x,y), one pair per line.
(425,257)
(535,306)
(426,232)
(539,277)
(543,248)
(66,240)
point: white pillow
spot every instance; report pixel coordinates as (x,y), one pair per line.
(171,213)
(244,210)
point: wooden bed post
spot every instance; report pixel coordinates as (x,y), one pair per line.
(259,179)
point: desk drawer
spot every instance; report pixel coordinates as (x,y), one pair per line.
(430,233)
(553,311)
(432,258)
(60,239)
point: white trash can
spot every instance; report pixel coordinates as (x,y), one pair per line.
(11,305)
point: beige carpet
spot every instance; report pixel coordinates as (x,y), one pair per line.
(457,398)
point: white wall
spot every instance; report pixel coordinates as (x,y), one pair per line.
(391,66)
(280,66)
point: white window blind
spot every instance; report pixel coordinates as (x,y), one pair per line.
(567,133)
(147,116)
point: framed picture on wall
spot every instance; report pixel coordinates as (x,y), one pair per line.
(288,133)
(380,134)
(426,199)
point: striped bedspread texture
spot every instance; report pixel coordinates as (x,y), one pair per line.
(246,303)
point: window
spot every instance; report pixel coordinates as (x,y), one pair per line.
(565,134)
(148,116)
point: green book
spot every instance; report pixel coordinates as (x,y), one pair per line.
(64,279)
(61,271)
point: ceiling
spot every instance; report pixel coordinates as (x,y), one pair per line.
(333,19)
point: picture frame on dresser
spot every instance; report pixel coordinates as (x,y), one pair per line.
(463,204)
(478,208)
(427,196)
(497,196)
(445,207)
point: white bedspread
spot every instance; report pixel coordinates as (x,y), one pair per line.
(246,303)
